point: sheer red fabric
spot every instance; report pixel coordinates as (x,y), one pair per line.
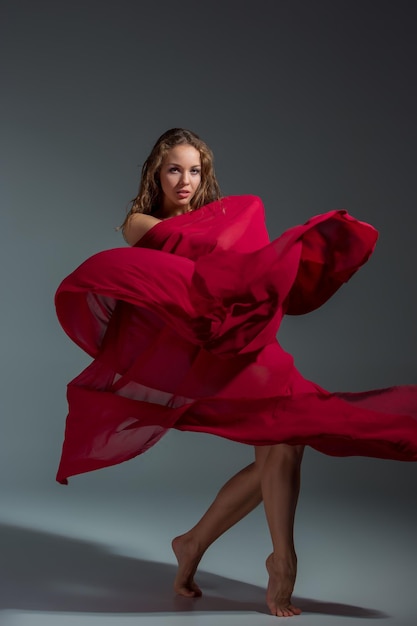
(182,329)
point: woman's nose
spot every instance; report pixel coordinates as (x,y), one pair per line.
(185,177)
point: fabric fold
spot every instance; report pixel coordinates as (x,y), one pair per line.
(182,330)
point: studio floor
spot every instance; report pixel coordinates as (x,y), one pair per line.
(70,559)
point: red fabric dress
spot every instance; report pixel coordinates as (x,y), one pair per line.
(182,329)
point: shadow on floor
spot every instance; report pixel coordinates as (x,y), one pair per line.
(47,572)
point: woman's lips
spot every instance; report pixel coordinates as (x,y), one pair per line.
(183,194)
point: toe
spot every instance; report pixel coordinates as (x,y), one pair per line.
(188,593)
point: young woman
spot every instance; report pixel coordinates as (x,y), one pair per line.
(178,177)
(182,327)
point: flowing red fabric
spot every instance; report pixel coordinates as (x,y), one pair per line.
(182,329)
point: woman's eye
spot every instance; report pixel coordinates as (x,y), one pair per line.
(195,171)
(173,170)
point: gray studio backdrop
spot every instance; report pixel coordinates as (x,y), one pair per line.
(309,104)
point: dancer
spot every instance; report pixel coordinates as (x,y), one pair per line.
(182,327)
(275,474)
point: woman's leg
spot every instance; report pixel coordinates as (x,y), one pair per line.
(280,479)
(238,497)
(275,477)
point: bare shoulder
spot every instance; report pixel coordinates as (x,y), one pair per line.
(137,226)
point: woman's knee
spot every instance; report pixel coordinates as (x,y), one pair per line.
(281,453)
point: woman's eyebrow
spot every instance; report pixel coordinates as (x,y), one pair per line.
(178,165)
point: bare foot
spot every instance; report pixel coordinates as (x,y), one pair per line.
(282,573)
(188,557)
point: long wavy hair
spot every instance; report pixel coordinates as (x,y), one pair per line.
(150,195)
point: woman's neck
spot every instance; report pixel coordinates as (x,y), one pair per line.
(164,214)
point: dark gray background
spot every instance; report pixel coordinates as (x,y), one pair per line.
(309,104)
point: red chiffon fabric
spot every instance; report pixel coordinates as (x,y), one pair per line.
(182,329)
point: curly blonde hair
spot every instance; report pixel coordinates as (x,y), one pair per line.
(149,198)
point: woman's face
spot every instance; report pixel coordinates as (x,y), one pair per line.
(180,177)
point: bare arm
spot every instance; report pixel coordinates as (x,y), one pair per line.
(136,226)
